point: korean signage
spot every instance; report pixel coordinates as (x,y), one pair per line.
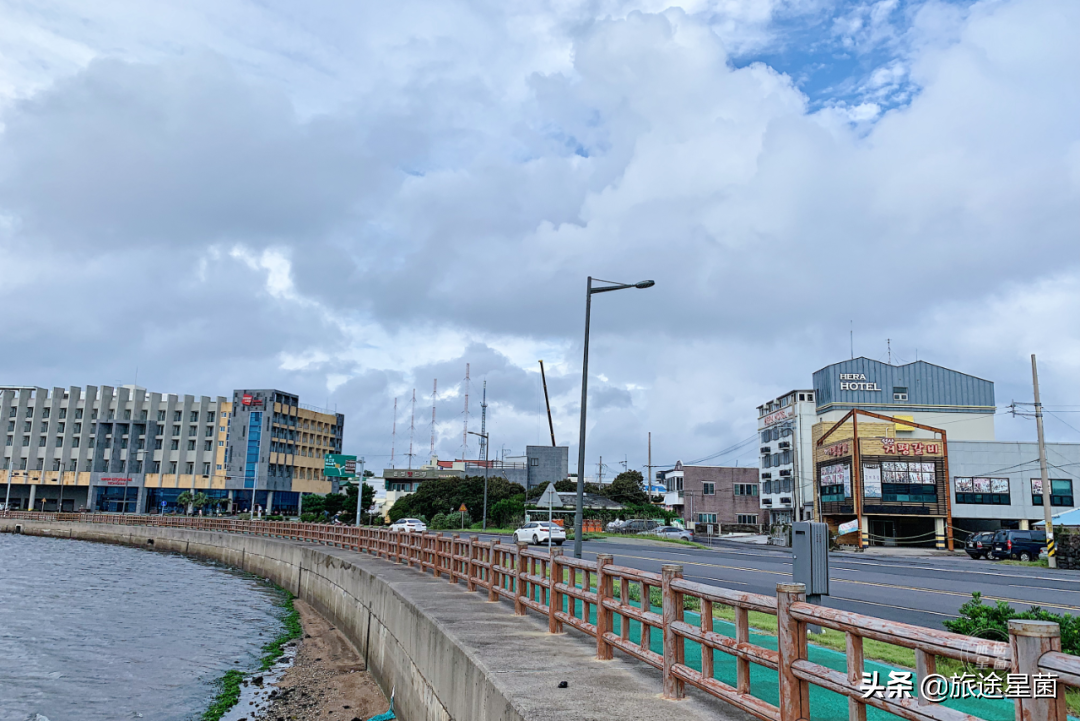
(338,466)
(848,527)
(871,478)
(250,400)
(116,481)
(857,382)
(838,449)
(781,415)
(892,447)
(837,475)
(982,485)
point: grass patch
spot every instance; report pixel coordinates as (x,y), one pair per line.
(1041,563)
(676,541)
(275,649)
(227,696)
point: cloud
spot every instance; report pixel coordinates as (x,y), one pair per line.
(351,216)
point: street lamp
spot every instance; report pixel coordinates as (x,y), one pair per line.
(584,397)
(487,445)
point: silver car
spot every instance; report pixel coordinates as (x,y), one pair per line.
(679,534)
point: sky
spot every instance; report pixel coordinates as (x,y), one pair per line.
(350,201)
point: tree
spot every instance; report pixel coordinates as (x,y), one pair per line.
(626,489)
(445,495)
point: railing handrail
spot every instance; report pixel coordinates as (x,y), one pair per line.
(541,581)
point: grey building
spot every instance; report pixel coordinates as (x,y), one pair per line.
(993,484)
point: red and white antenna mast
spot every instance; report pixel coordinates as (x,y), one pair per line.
(434,395)
(465,432)
(412,426)
(393,435)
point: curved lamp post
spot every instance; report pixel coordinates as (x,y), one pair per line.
(584,396)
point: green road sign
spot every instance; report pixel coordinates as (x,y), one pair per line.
(339,466)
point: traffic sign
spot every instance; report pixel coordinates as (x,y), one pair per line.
(550,497)
(463,509)
(336,465)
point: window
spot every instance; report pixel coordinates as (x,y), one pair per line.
(174,445)
(219,466)
(157,444)
(708,489)
(26,441)
(206,469)
(208,446)
(706,518)
(41,442)
(127,414)
(193,430)
(59,441)
(189,468)
(746,489)
(209,416)
(221,444)
(9,440)
(13,412)
(899,394)
(77,428)
(74,465)
(29,412)
(78,413)
(142,415)
(534,461)
(45,412)
(785,458)
(59,427)
(749,519)
(63,413)
(27,425)
(802,396)
(1060,492)
(161,415)
(209,431)
(176,430)
(93,414)
(75,444)
(44,427)
(172,466)
(983,491)
(11,425)
(191,445)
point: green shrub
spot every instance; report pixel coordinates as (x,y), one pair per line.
(310,517)
(992,622)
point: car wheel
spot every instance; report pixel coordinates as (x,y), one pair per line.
(536,541)
(990,556)
(1025,556)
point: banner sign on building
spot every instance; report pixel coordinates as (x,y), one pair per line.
(339,466)
(835,475)
(871,481)
(250,400)
(848,527)
(781,415)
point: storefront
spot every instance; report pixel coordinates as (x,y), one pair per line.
(874,489)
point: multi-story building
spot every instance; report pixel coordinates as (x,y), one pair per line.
(787,457)
(713,495)
(129,450)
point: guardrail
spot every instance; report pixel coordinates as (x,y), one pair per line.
(562,589)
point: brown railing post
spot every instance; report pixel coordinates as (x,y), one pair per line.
(794,693)
(520,569)
(455,541)
(673,644)
(493,572)
(396,547)
(553,599)
(603,613)
(470,580)
(1029,641)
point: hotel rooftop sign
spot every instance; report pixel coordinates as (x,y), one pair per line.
(857,382)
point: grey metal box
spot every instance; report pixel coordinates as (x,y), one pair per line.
(810,556)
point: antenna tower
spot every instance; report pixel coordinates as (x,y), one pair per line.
(434,394)
(412,426)
(483,426)
(465,432)
(888,342)
(393,435)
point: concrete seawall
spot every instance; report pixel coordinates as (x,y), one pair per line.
(448,653)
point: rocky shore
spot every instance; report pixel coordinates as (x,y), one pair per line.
(327,679)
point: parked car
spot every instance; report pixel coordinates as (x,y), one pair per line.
(675,532)
(1021,545)
(539,531)
(978,545)
(637,525)
(409,525)
(615,526)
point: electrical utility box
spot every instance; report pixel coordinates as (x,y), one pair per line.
(810,556)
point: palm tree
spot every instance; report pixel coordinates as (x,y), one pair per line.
(187,500)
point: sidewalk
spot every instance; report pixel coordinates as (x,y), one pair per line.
(905,552)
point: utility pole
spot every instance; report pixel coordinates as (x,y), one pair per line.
(1048,515)
(434,395)
(650,467)
(359,490)
(412,426)
(600,472)
(547,402)
(393,435)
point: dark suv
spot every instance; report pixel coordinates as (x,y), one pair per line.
(978,544)
(1023,545)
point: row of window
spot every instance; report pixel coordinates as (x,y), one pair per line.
(998,491)
(102,466)
(781,485)
(746,489)
(178,416)
(744,518)
(774,460)
(775,433)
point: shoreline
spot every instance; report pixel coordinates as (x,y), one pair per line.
(327,679)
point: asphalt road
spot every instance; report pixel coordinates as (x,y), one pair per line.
(919,590)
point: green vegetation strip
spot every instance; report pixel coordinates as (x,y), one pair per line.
(229,684)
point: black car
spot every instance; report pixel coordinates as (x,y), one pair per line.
(978,544)
(1022,545)
(638,526)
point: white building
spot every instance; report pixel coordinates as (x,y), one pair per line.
(786,472)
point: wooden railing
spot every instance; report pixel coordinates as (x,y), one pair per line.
(590,596)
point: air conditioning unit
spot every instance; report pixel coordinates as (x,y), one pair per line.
(785,501)
(767,476)
(766,449)
(785,444)
(766,501)
(785,473)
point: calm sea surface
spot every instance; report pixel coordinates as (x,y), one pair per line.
(93,632)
